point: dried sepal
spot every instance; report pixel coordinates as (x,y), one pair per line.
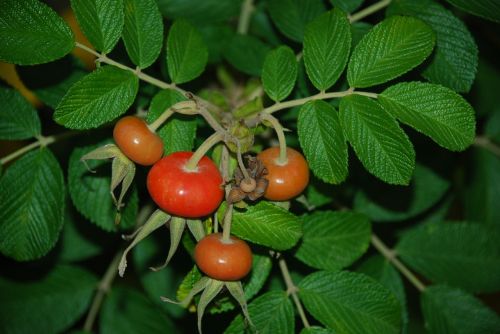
(252,188)
(157,219)
(176,226)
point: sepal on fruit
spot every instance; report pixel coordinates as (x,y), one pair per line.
(176,226)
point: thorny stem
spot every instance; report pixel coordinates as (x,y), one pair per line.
(321,96)
(42,141)
(102,290)
(292,290)
(282,159)
(245,15)
(369,10)
(391,257)
(102,58)
(191,165)
(487,144)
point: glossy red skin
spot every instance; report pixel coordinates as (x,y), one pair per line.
(223,261)
(189,194)
(287,181)
(137,142)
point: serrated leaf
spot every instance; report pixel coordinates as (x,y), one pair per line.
(187,54)
(126,310)
(489,9)
(327,42)
(462,255)
(99,97)
(379,142)
(142,31)
(49,305)
(350,303)
(323,142)
(202,12)
(179,131)
(358,31)
(279,73)
(32,33)
(271,313)
(317,330)
(292,16)
(268,225)
(454,62)
(452,311)
(247,54)
(31,206)
(385,203)
(390,49)
(101,21)
(347,6)
(333,240)
(90,192)
(436,111)
(18,119)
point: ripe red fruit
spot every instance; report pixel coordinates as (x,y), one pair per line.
(221,260)
(285,180)
(184,193)
(137,142)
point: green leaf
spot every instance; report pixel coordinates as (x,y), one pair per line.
(31,206)
(187,54)
(358,31)
(317,330)
(268,225)
(436,111)
(350,303)
(454,62)
(347,6)
(333,240)
(101,21)
(49,305)
(323,142)
(201,12)
(271,313)
(452,311)
(99,97)
(462,255)
(142,31)
(380,144)
(292,16)
(216,38)
(32,33)
(128,311)
(381,269)
(327,42)
(483,188)
(390,49)
(90,192)
(179,132)
(247,54)
(279,73)
(18,119)
(488,9)
(388,203)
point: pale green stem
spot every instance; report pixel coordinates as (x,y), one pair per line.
(228,217)
(292,290)
(282,159)
(369,10)
(191,165)
(391,257)
(240,162)
(245,15)
(160,120)
(487,144)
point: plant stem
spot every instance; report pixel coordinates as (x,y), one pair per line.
(192,164)
(292,290)
(487,144)
(282,159)
(321,96)
(245,15)
(160,120)
(143,76)
(240,162)
(42,141)
(369,10)
(102,290)
(391,257)
(228,217)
